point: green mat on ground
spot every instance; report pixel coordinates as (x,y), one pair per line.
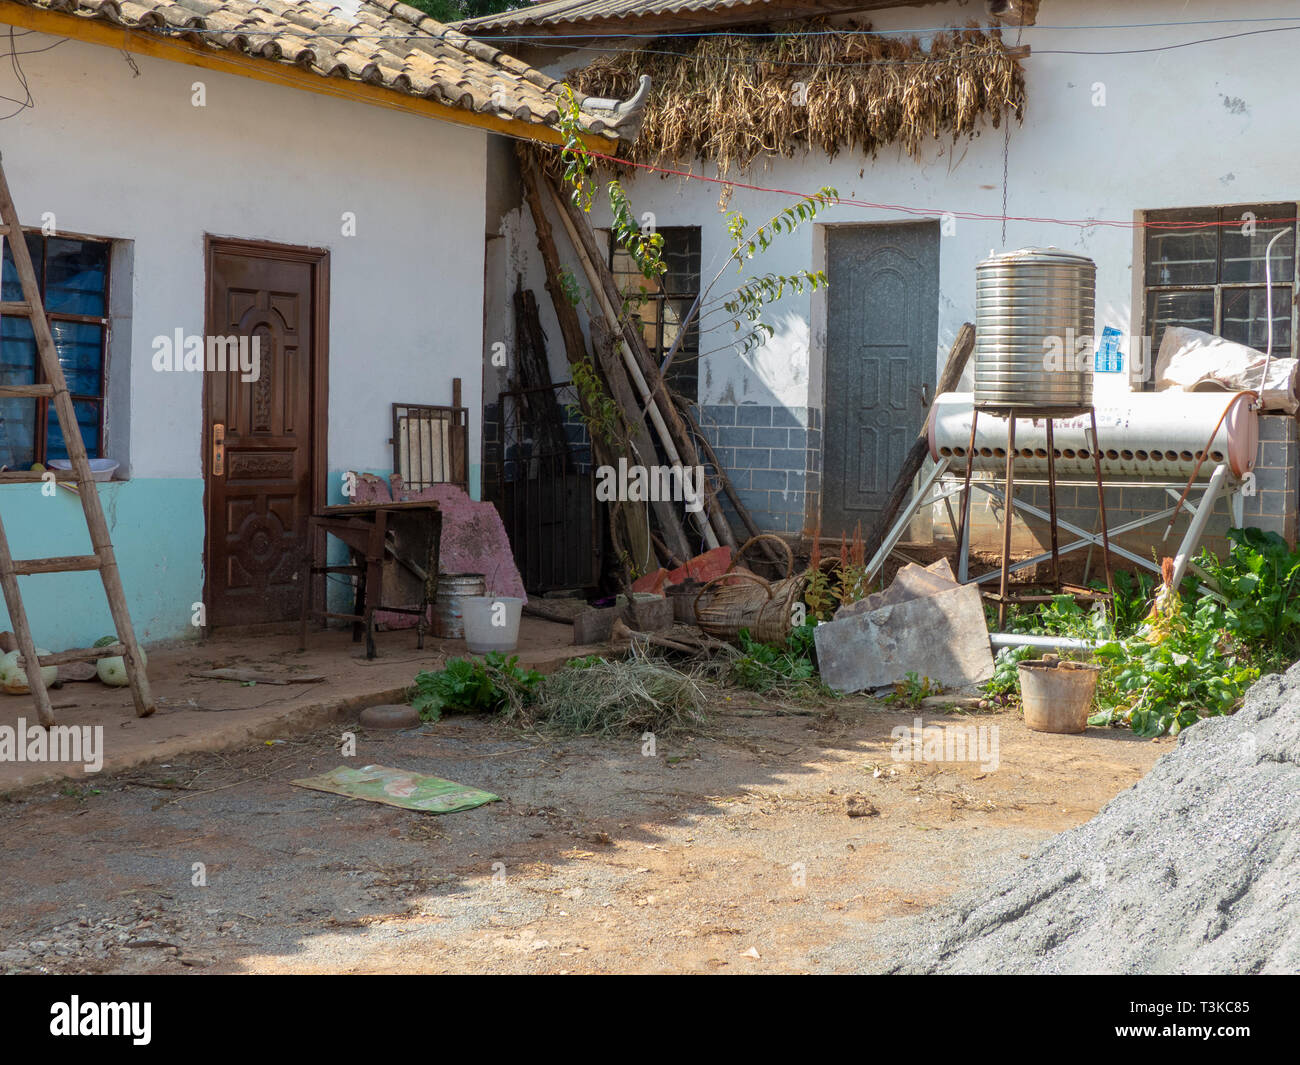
(399,787)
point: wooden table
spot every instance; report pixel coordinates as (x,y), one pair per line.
(365,529)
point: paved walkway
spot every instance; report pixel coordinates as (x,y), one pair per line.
(199,714)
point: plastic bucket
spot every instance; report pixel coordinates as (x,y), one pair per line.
(491,622)
(1057,695)
(448,603)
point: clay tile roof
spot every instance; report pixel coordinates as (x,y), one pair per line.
(378,42)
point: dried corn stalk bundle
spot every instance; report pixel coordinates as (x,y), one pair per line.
(732,100)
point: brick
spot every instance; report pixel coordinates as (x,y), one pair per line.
(648,615)
(788,502)
(753,414)
(797,438)
(740,479)
(753,458)
(765,436)
(1270,478)
(719,414)
(790,417)
(768,479)
(595,625)
(786,459)
(736,436)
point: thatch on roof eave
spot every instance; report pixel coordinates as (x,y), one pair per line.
(731,100)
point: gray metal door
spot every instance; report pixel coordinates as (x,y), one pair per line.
(881,342)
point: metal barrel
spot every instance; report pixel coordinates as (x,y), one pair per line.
(448,602)
(1034,318)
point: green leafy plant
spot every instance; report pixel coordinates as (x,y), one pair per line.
(596,407)
(1259,581)
(1006,671)
(1132,601)
(765,669)
(913,688)
(852,571)
(818,595)
(1163,685)
(490,684)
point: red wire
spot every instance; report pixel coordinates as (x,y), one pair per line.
(974,216)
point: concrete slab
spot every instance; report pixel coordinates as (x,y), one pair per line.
(943,637)
(911,582)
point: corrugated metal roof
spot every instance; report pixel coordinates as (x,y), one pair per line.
(378,42)
(554,14)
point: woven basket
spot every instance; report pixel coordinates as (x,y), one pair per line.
(743,600)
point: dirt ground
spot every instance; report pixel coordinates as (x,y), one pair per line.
(778,842)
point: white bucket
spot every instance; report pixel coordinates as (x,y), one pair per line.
(100,469)
(491,622)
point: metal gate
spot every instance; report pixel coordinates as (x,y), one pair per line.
(545,490)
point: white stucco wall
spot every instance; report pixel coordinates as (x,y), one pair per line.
(1205,125)
(116,155)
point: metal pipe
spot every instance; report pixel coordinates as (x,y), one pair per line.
(999,640)
(1197,525)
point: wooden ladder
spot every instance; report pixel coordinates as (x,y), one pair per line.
(56,391)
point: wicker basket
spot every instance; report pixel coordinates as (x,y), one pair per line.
(743,600)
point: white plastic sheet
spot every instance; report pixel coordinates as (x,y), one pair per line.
(1192,361)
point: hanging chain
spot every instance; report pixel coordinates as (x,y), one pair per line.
(1006,145)
(1006,150)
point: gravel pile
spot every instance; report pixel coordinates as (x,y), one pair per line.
(1195,869)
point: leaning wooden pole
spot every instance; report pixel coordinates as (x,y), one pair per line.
(670,525)
(677,441)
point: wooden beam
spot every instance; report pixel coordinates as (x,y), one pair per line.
(666,23)
(273,72)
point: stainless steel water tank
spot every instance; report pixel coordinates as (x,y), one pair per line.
(1034,313)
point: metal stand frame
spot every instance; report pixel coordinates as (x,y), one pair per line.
(928,495)
(1004,594)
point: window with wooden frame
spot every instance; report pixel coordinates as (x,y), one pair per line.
(662,304)
(1204,269)
(73,274)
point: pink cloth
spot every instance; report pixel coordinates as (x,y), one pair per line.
(473,540)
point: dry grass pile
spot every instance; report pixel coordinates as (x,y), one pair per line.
(732,100)
(601,697)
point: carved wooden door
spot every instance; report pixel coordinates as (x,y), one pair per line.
(258,429)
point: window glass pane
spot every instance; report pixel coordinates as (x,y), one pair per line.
(682,257)
(87,417)
(1243,253)
(660,317)
(628,276)
(674,312)
(1245,318)
(17,433)
(76,276)
(81,351)
(11,291)
(17,351)
(1184,253)
(1192,309)
(648,313)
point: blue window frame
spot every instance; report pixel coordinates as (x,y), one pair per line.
(73,274)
